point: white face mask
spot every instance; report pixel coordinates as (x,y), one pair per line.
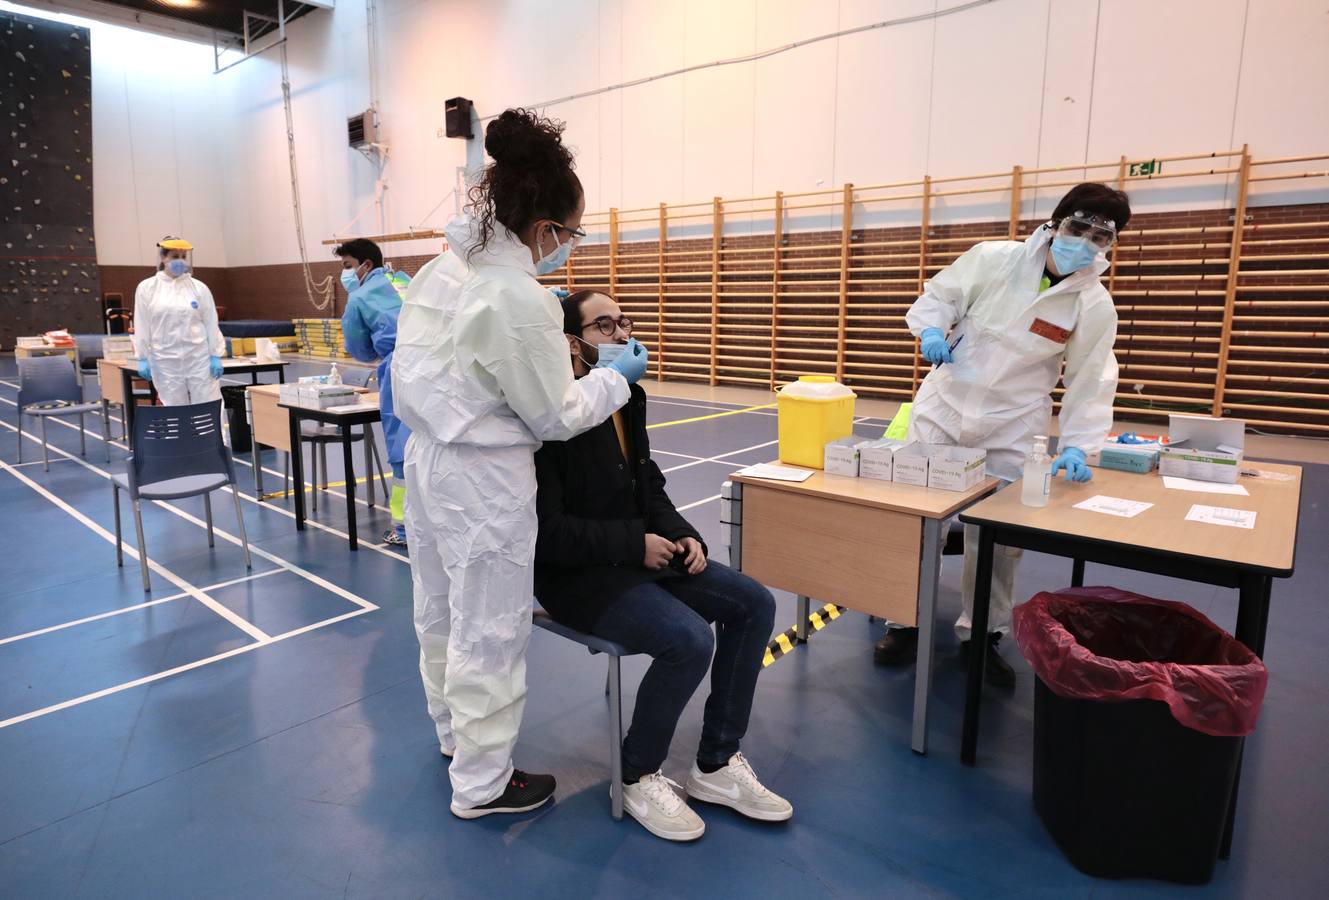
(555,259)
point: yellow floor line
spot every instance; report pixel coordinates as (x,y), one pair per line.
(719,415)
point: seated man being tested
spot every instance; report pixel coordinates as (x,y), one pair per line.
(615,558)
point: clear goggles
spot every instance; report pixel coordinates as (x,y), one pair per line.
(1101,232)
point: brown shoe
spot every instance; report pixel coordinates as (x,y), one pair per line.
(898,648)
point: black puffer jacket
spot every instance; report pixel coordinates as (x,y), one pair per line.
(595,511)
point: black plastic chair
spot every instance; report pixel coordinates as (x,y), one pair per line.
(48,387)
(613,688)
(178,452)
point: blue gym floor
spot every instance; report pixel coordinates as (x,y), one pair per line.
(263,733)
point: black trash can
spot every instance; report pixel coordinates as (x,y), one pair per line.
(233,398)
(1139,711)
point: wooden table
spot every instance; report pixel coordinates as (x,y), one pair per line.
(365,412)
(1158,540)
(128,369)
(872,546)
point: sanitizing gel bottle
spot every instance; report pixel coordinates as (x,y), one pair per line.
(1037,483)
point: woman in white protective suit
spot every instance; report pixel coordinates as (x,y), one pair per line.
(481,376)
(176,337)
(1015,312)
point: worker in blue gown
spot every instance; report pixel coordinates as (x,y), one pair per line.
(369,332)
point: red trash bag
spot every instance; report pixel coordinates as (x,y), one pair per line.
(1106,644)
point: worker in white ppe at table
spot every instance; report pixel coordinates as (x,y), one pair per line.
(369,332)
(176,338)
(481,376)
(997,325)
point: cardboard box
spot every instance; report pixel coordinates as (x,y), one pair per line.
(909,464)
(876,459)
(1140,458)
(1203,448)
(841,456)
(956,468)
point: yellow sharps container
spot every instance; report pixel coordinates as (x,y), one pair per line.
(814,411)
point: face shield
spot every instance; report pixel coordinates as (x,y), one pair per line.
(175,256)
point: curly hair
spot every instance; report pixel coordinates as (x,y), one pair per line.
(531,177)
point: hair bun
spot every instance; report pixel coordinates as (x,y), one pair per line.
(519,137)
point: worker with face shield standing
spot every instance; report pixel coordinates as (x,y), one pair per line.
(176,337)
(481,376)
(1020,317)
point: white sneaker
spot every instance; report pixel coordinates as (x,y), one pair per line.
(654,803)
(737,787)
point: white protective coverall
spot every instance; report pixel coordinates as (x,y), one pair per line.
(997,392)
(481,376)
(175,330)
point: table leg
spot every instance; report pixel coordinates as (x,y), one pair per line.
(801,611)
(127,388)
(369,463)
(349,468)
(978,645)
(1077,573)
(1252,619)
(297,469)
(929,572)
(281,374)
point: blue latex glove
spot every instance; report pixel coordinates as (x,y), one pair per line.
(215,366)
(631,363)
(1130,437)
(1072,460)
(144,370)
(560,293)
(934,348)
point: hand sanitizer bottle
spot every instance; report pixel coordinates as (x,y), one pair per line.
(1037,483)
(334,377)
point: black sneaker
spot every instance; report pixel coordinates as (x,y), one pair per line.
(898,648)
(524,793)
(996,671)
(393,539)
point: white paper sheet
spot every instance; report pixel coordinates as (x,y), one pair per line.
(1114,506)
(776,472)
(1203,487)
(1219,515)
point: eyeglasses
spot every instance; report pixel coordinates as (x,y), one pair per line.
(607,324)
(577,233)
(1100,232)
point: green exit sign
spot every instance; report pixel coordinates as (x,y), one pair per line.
(1145,168)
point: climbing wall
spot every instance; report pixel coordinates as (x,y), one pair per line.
(48,258)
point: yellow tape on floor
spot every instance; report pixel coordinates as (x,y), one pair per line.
(719,415)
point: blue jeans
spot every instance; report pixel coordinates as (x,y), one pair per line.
(670,622)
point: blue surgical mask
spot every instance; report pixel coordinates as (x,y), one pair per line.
(349,280)
(604,353)
(1070,254)
(176,267)
(557,259)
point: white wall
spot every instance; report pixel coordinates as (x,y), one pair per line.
(154,156)
(1030,82)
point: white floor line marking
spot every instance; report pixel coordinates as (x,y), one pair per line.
(247,627)
(148,679)
(137,606)
(121,445)
(698,503)
(253,549)
(35,462)
(277,509)
(87,619)
(723,457)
